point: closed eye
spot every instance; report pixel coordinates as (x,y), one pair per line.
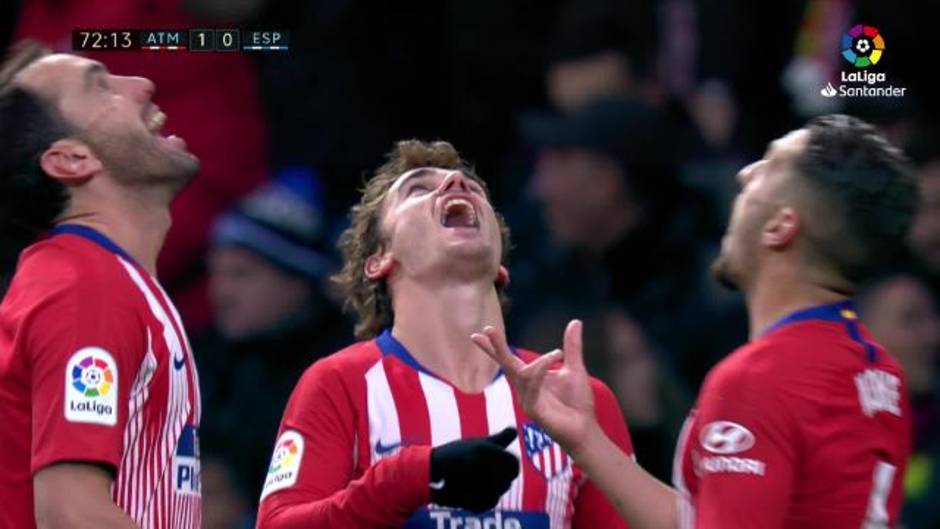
(418,189)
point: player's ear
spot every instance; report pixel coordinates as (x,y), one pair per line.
(70,161)
(379,265)
(502,277)
(781,229)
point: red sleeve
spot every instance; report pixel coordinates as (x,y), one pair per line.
(591,508)
(748,443)
(84,347)
(310,481)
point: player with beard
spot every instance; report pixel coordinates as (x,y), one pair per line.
(807,425)
(99,397)
(412,427)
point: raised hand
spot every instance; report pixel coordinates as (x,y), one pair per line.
(554,389)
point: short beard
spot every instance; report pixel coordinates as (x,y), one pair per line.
(720,271)
(135,162)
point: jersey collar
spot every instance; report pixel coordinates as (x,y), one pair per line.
(389,345)
(835,312)
(94,236)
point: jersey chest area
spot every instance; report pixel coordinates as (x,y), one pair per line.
(402,406)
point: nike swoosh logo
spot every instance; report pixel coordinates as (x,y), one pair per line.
(178,363)
(437,485)
(381,449)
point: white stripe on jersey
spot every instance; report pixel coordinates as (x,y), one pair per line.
(442,409)
(129,486)
(686,510)
(500,413)
(383,416)
(159,497)
(197,400)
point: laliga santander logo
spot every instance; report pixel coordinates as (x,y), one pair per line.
(284,455)
(92,377)
(862,46)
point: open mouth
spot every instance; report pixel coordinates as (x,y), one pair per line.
(155,124)
(459,213)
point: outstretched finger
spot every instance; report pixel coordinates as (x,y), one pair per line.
(573,345)
(534,372)
(491,343)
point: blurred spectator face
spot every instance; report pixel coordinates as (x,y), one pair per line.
(925,233)
(223,506)
(249,294)
(115,117)
(900,313)
(576,82)
(761,183)
(578,190)
(634,373)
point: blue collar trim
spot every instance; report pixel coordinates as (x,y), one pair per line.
(94,236)
(844,312)
(389,345)
(836,312)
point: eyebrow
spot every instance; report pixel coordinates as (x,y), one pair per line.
(91,71)
(421,172)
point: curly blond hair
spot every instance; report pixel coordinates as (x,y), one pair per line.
(370,299)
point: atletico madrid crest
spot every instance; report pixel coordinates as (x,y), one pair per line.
(544,453)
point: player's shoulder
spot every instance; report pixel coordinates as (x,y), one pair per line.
(351,362)
(67,263)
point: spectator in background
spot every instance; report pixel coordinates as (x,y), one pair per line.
(925,233)
(609,191)
(901,312)
(602,49)
(267,263)
(214,103)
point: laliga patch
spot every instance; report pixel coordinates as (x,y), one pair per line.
(285,463)
(91,387)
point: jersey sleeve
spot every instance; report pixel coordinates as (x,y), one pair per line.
(747,446)
(84,348)
(592,508)
(310,482)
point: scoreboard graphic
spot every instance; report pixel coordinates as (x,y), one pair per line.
(169,40)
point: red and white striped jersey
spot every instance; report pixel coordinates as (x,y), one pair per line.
(353,449)
(95,366)
(806,427)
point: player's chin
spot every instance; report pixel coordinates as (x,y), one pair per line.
(722,272)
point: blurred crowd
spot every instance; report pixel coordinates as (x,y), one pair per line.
(610,133)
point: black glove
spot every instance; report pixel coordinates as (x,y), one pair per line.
(472,474)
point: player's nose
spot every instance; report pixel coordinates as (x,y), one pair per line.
(139,89)
(455,181)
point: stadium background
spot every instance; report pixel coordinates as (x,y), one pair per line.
(609,132)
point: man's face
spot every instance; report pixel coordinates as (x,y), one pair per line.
(249,295)
(115,117)
(438,221)
(762,185)
(576,187)
(901,314)
(925,232)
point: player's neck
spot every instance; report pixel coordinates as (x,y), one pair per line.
(781,292)
(138,223)
(435,324)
